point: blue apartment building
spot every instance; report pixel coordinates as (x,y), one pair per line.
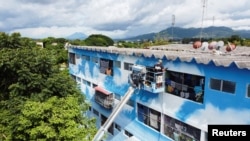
(197,88)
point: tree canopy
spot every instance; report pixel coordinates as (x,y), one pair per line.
(38,101)
(99,40)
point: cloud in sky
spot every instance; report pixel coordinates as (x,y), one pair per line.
(116,18)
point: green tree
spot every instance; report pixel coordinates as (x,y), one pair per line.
(236,39)
(99,40)
(10,41)
(38,101)
(27,42)
(48,41)
(160,40)
(58,51)
(77,42)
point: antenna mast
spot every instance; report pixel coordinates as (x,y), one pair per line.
(173,22)
(213,28)
(203,11)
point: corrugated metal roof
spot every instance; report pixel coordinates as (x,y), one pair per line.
(102,90)
(186,53)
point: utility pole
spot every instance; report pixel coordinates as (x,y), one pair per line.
(173,22)
(203,11)
(213,29)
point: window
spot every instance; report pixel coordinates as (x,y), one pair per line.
(215,84)
(110,129)
(222,85)
(94,59)
(248,90)
(178,130)
(95,112)
(106,66)
(103,119)
(128,133)
(94,85)
(73,77)
(118,127)
(86,82)
(117,64)
(206,136)
(72,59)
(117,96)
(128,66)
(228,86)
(185,85)
(104,97)
(90,108)
(130,103)
(78,79)
(149,116)
(85,57)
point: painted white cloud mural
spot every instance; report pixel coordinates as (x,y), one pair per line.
(118,81)
(213,115)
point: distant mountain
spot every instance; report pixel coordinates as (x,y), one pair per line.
(142,37)
(244,33)
(180,33)
(77,35)
(209,32)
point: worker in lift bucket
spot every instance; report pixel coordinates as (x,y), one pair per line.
(136,79)
(158,66)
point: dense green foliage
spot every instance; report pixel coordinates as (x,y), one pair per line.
(141,44)
(37,100)
(99,40)
(94,40)
(14,41)
(56,47)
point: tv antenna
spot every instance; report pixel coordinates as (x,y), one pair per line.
(203,11)
(173,22)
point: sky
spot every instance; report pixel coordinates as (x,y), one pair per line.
(118,18)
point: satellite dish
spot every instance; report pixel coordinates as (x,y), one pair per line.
(197,44)
(204,46)
(220,44)
(230,47)
(212,45)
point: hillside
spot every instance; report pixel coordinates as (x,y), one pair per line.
(180,33)
(77,35)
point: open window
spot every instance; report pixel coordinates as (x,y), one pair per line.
(104,97)
(111,127)
(106,66)
(72,58)
(188,86)
(149,116)
(178,130)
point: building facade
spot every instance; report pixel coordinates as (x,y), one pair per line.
(200,88)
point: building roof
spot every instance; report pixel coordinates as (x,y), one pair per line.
(186,53)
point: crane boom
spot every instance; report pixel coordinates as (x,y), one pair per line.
(113,115)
